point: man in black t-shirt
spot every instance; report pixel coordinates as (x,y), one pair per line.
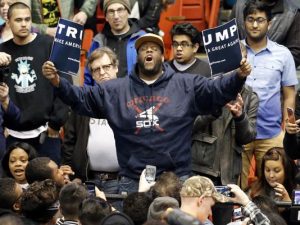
(186,42)
(42,114)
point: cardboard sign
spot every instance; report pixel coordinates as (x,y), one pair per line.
(65,53)
(222,46)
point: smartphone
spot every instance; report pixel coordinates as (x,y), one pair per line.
(291,115)
(296,197)
(150,173)
(224,190)
(237,214)
(91,188)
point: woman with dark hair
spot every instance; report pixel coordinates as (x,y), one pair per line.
(278,176)
(16,159)
(269,208)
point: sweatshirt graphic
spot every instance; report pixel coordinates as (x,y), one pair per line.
(147,118)
(25,79)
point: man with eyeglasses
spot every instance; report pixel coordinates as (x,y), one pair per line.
(151,111)
(222,134)
(285,23)
(42,113)
(185,42)
(119,34)
(89,144)
(273,72)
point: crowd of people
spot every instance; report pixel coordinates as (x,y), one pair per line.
(80,155)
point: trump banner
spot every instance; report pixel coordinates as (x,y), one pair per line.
(65,53)
(222,46)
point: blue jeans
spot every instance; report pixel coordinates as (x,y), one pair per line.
(128,185)
(107,186)
(184,178)
(110,187)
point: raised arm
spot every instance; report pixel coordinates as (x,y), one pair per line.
(245,121)
(87,101)
(211,95)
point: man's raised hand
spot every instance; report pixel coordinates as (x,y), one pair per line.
(245,68)
(50,72)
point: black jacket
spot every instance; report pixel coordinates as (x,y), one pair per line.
(74,148)
(218,142)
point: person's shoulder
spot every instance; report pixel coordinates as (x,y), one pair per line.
(276,47)
(5,45)
(116,82)
(189,77)
(135,30)
(99,36)
(170,63)
(138,33)
(43,38)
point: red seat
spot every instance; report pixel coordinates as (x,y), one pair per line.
(202,14)
(86,44)
(100,18)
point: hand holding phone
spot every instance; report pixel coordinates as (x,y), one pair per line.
(224,190)
(296,197)
(150,173)
(291,115)
(91,188)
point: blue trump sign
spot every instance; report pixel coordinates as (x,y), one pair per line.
(66,47)
(222,46)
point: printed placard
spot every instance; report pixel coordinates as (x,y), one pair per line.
(65,53)
(222,46)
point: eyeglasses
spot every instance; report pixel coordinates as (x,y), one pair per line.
(259,20)
(183,44)
(105,68)
(119,11)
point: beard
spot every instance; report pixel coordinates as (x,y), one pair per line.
(151,72)
(257,38)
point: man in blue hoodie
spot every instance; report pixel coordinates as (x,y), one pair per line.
(152,111)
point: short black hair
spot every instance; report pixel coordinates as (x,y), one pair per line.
(265,203)
(93,210)
(253,6)
(40,201)
(31,152)
(136,206)
(16,5)
(70,198)
(8,195)
(38,170)
(186,29)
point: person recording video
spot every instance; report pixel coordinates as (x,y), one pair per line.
(291,141)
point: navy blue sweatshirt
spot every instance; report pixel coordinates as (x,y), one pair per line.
(8,118)
(152,124)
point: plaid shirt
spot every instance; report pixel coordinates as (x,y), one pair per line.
(255,215)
